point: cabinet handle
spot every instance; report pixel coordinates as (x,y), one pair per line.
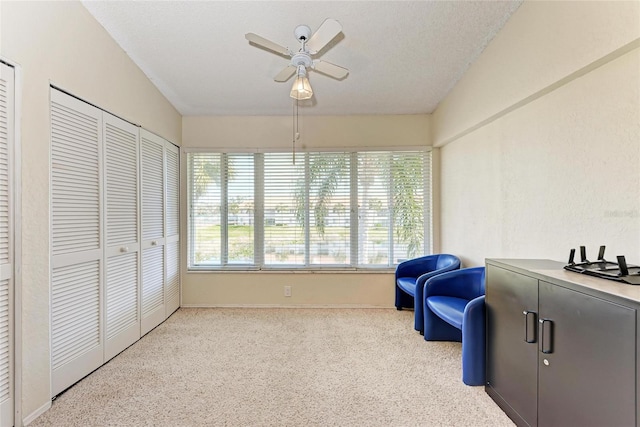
(546,336)
(529,326)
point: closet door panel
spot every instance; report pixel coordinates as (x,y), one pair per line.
(152,179)
(76,262)
(122,234)
(75,175)
(153,312)
(152,187)
(121,142)
(173,277)
(123,321)
(7,143)
(172,283)
(75,317)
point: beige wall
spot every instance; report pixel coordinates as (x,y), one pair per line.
(308,289)
(352,289)
(60,43)
(539,139)
(541,44)
(268,132)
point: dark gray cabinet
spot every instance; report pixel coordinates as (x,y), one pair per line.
(559,354)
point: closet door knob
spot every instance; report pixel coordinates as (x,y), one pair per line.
(154,243)
(124,249)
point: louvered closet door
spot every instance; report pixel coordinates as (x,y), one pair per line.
(153,242)
(122,237)
(76,184)
(172,262)
(7,142)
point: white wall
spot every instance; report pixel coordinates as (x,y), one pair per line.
(60,43)
(540,139)
(308,289)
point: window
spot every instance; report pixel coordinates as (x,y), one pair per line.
(341,209)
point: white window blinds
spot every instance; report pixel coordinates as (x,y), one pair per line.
(284,210)
(239,191)
(329,209)
(205,209)
(329,214)
(393,203)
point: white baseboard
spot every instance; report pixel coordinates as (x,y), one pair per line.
(35,414)
(347,306)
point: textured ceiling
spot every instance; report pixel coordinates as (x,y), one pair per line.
(403,56)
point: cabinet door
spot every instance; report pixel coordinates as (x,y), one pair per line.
(512,304)
(587,370)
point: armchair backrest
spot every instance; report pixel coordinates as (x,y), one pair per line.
(418,266)
(474,281)
(467,283)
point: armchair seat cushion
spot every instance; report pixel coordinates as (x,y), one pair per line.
(407,284)
(449,309)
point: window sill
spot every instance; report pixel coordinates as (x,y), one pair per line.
(238,270)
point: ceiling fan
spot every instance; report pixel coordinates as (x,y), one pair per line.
(301,60)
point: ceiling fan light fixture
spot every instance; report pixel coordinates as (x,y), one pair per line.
(301,88)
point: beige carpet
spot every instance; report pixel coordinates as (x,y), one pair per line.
(279,367)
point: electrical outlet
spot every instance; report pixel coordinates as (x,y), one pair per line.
(287,291)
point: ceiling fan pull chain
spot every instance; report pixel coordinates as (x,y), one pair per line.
(293,129)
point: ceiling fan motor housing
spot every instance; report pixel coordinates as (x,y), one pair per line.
(302,33)
(301,58)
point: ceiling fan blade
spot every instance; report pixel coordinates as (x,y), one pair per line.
(285,74)
(267,44)
(330,69)
(327,31)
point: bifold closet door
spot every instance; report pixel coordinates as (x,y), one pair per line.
(76,240)
(7,144)
(122,235)
(153,241)
(172,262)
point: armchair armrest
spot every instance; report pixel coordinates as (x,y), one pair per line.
(474,342)
(474,310)
(422,279)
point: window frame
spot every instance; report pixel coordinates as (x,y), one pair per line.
(259,211)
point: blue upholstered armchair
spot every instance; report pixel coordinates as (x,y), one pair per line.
(454,310)
(411,276)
